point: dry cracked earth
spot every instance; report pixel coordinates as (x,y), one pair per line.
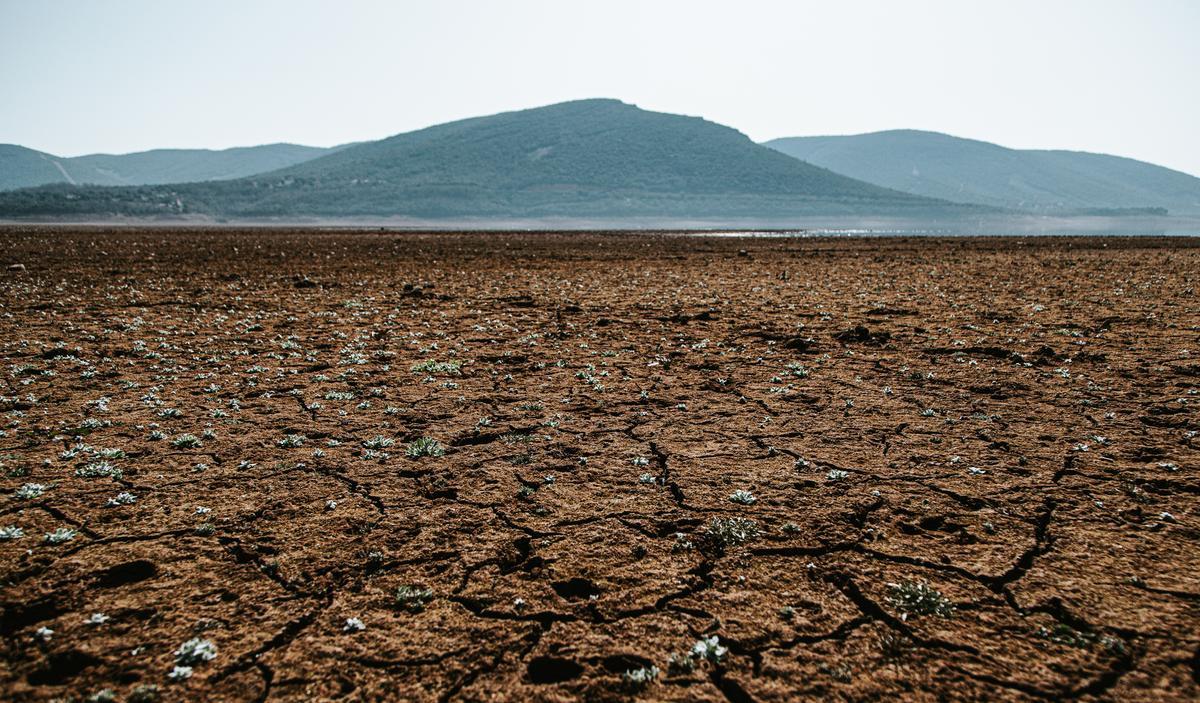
(369,466)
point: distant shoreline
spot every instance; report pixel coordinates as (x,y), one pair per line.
(1017,225)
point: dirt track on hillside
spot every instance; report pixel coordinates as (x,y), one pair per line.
(1012,423)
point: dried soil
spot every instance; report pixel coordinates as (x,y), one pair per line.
(1010,422)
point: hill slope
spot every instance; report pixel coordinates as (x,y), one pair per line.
(21,167)
(185,165)
(589,158)
(969,171)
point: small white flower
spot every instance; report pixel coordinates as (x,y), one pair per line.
(44,633)
(60,535)
(97,619)
(180,673)
(710,649)
(30,491)
(642,677)
(742,496)
(194,651)
(353,625)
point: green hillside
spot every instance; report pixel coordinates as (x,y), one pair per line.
(22,168)
(599,158)
(185,165)
(968,171)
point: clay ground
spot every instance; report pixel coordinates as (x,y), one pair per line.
(972,466)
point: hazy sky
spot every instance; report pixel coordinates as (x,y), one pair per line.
(117,75)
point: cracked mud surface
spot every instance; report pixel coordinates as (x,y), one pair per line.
(1010,422)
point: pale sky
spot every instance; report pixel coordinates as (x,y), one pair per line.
(1121,77)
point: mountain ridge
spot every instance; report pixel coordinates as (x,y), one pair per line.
(596,157)
(1045,181)
(22,167)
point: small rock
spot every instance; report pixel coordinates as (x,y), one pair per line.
(16,268)
(800,344)
(861,335)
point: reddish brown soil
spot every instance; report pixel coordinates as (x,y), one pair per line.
(1016,420)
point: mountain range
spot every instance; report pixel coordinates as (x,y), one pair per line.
(598,159)
(968,171)
(590,158)
(22,168)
